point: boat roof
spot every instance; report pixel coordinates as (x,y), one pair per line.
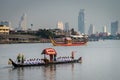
(77,36)
(68,38)
(49,51)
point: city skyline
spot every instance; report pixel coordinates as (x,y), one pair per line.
(45,14)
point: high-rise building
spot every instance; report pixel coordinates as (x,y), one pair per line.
(115,28)
(60,25)
(66,29)
(81,21)
(91,30)
(23,23)
(66,26)
(104,29)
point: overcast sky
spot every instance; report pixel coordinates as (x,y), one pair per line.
(46,13)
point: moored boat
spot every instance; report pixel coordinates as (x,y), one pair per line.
(68,42)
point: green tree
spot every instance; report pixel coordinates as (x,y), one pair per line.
(44,33)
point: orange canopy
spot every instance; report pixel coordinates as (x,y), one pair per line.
(49,51)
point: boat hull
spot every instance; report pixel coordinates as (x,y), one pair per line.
(44,64)
(64,44)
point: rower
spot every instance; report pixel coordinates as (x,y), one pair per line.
(22,58)
(19,58)
(72,55)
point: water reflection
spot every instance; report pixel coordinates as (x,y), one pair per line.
(49,72)
(19,75)
(52,72)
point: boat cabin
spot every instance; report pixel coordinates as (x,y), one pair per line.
(51,52)
(68,40)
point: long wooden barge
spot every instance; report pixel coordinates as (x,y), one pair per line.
(45,64)
(68,42)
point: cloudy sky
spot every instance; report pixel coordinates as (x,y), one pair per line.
(46,13)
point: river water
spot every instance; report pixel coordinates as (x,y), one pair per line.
(100,62)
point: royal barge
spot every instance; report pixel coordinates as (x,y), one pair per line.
(68,42)
(46,62)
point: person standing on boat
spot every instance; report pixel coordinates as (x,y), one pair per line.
(72,55)
(22,58)
(19,58)
(55,57)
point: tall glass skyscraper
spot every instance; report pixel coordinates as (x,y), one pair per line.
(115,28)
(81,21)
(66,26)
(91,30)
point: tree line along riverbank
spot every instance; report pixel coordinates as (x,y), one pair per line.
(18,38)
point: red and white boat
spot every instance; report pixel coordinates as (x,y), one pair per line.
(68,42)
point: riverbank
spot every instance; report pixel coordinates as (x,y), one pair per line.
(18,38)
